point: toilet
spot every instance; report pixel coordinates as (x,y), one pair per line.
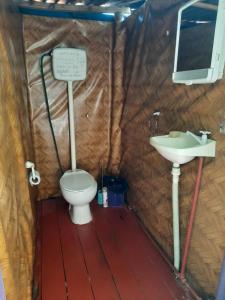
(79,189)
(77,186)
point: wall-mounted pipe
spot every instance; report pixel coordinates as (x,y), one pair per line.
(72,127)
(220,295)
(175,202)
(191,218)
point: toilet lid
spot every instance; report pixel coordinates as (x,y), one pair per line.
(78,180)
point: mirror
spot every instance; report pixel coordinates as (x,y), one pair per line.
(200,44)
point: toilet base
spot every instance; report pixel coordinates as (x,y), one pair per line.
(80,214)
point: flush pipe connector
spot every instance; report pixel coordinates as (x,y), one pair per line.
(31,165)
(175,204)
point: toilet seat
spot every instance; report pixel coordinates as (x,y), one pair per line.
(77,181)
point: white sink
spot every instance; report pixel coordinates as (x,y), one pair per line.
(181,147)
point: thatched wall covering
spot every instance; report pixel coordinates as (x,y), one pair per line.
(149,66)
(136,85)
(16,214)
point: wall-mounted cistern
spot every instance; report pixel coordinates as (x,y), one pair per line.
(180,148)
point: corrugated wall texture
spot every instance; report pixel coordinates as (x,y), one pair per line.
(149,66)
(97,100)
(16,211)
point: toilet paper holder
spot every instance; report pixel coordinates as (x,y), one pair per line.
(34,176)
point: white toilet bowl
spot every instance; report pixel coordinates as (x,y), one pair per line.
(79,189)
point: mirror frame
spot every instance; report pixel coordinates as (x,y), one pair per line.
(215,71)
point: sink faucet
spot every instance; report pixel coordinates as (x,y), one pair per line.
(201,139)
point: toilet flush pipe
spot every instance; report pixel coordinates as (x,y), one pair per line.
(191,218)
(175,205)
(72,126)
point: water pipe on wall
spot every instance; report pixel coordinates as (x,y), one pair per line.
(220,295)
(191,219)
(72,127)
(175,199)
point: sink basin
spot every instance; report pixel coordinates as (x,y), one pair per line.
(181,147)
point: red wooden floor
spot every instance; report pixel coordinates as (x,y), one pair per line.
(111,258)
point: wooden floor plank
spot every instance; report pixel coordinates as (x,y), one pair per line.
(146,253)
(101,278)
(161,266)
(124,275)
(79,287)
(142,267)
(38,256)
(111,258)
(53,280)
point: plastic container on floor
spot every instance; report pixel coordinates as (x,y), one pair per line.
(117,188)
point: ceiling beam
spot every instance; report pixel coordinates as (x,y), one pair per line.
(72,8)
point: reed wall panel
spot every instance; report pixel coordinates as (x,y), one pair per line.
(16,208)
(149,67)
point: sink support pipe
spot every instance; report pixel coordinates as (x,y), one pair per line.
(175,203)
(220,295)
(191,219)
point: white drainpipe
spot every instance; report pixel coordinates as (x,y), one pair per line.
(175,201)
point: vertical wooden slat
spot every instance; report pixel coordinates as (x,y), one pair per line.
(152,274)
(78,283)
(37,277)
(53,279)
(117,258)
(101,278)
(111,258)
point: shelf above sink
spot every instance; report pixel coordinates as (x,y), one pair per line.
(182,147)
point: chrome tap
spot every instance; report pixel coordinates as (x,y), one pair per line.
(154,122)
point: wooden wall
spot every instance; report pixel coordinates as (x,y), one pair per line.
(16,210)
(149,66)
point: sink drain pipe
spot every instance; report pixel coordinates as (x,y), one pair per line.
(220,295)
(191,219)
(175,203)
